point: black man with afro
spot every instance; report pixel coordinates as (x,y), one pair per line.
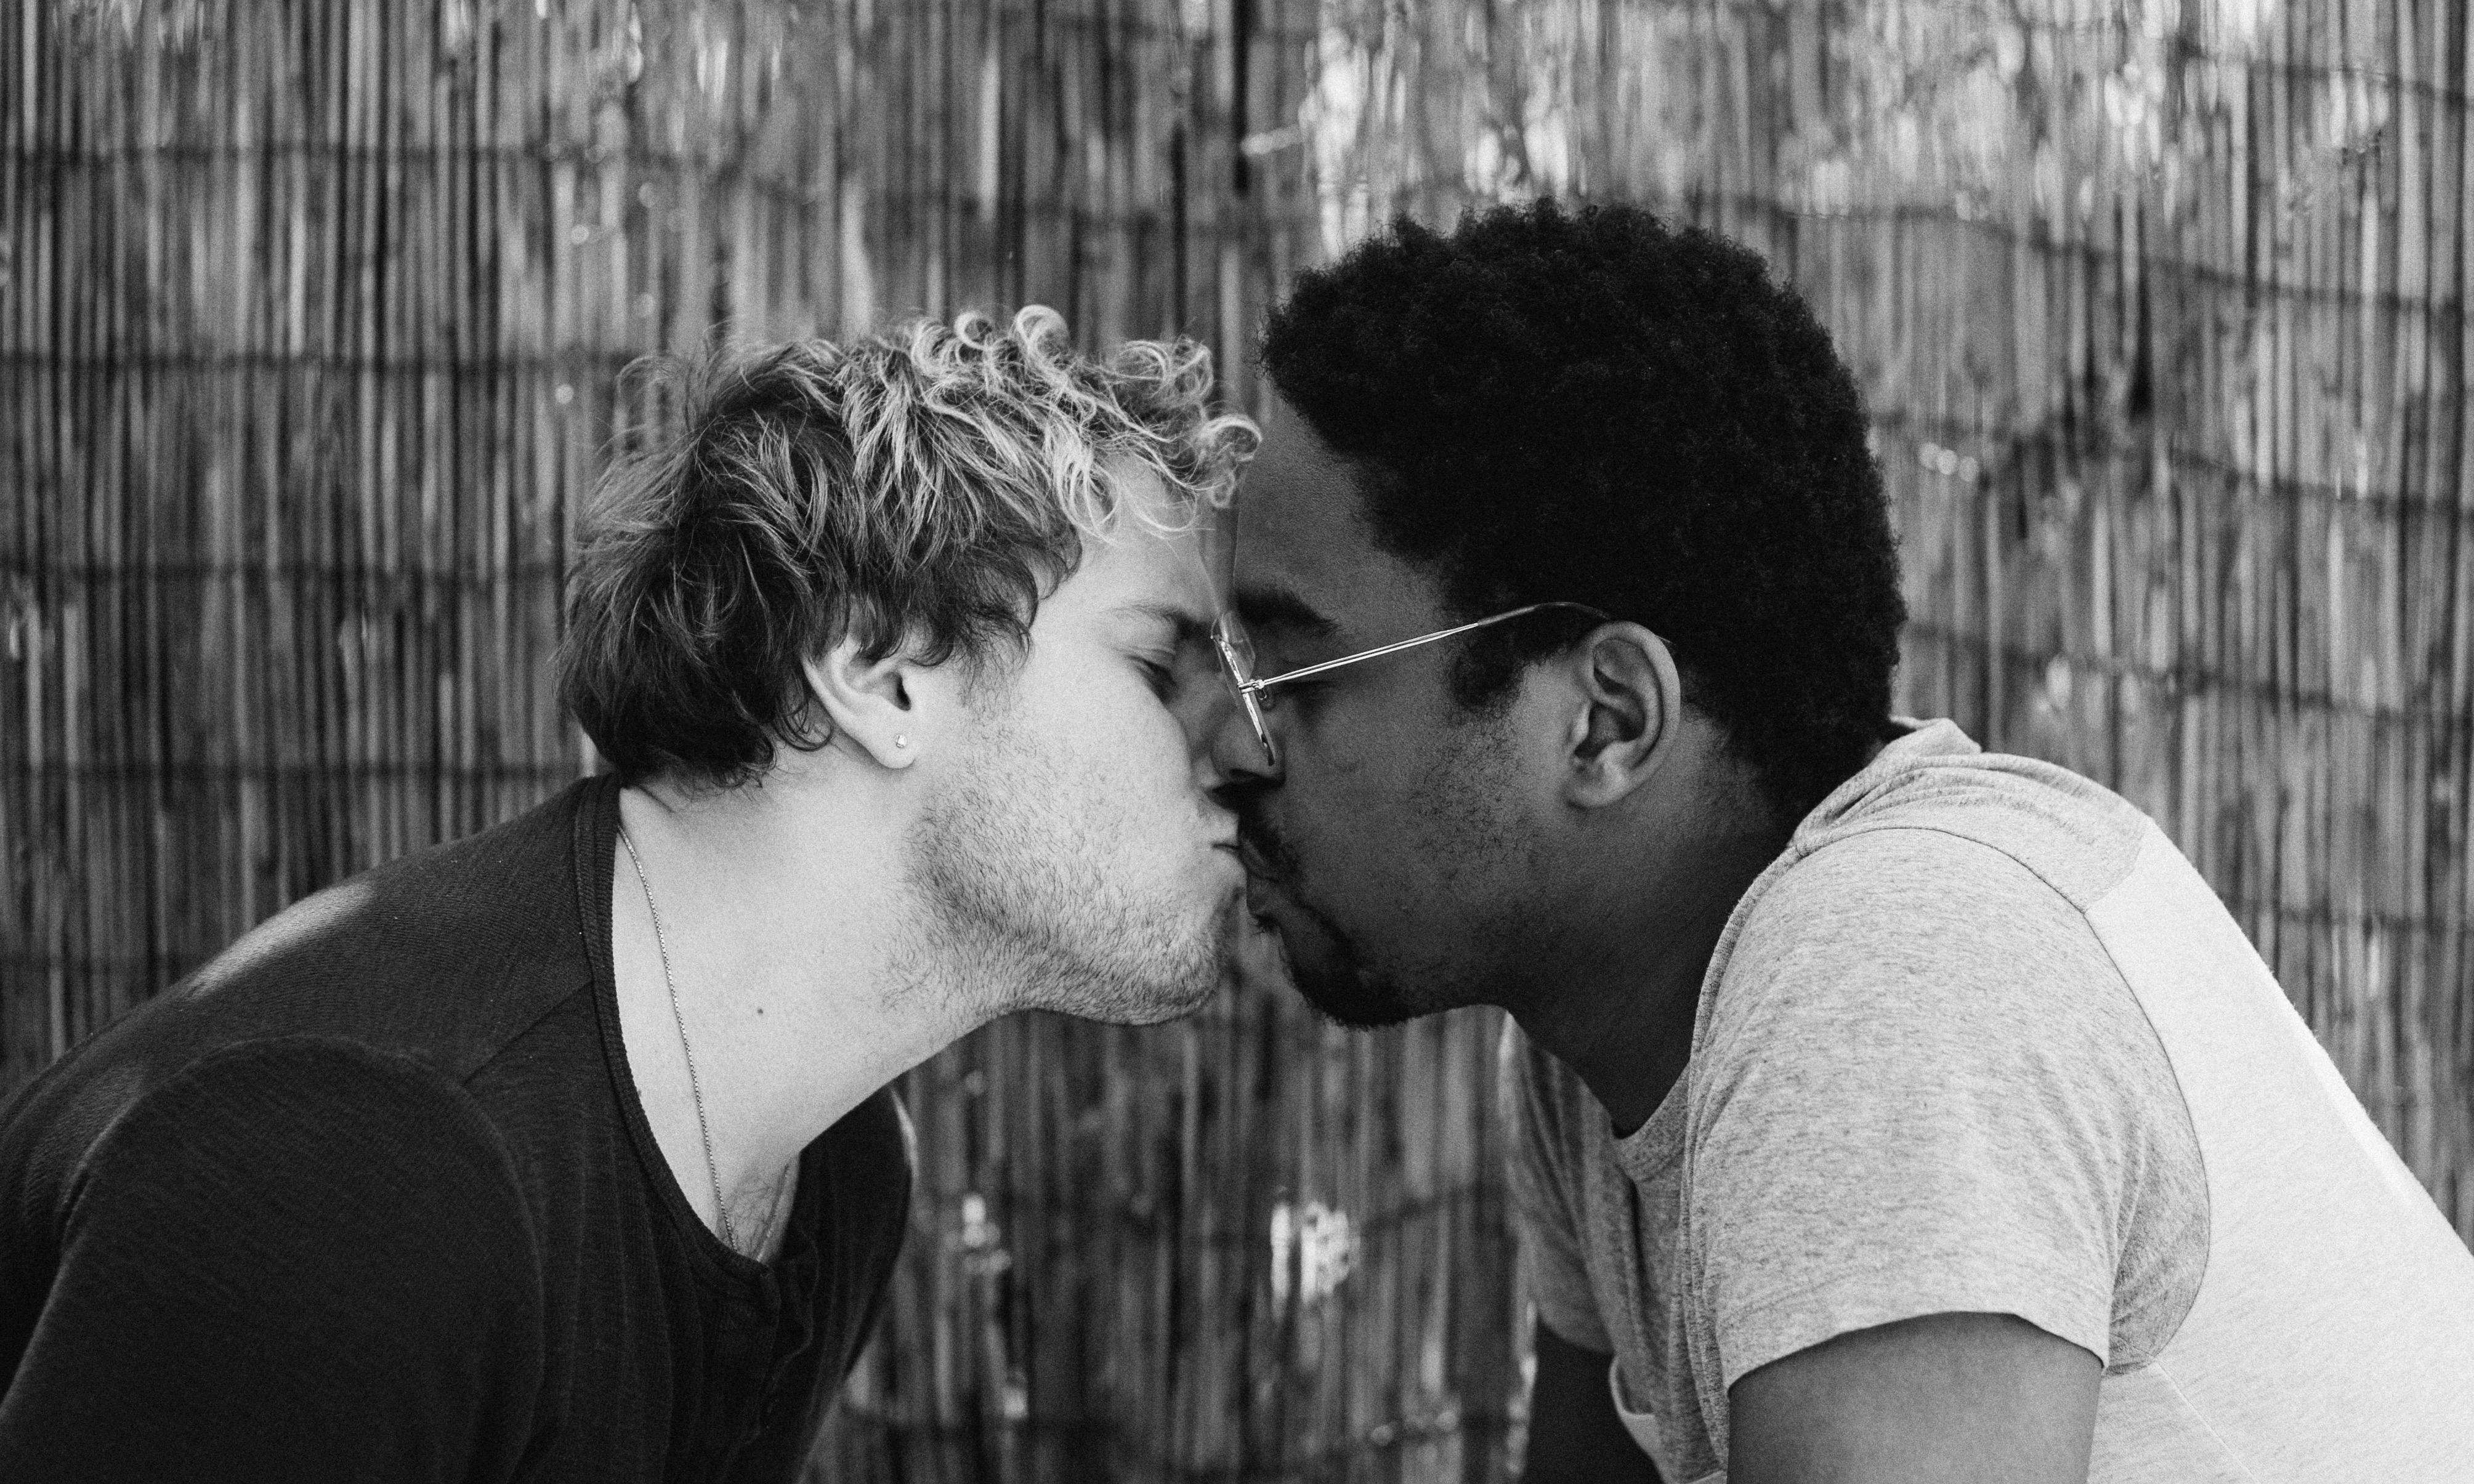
(1879,1108)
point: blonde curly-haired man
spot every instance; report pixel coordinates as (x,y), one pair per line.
(565,1151)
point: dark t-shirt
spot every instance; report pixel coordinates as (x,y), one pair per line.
(371,1197)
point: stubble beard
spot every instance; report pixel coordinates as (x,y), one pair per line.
(1461,842)
(1018,911)
(1348,995)
(1339,987)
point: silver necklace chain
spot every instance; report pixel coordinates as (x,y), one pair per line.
(695,1088)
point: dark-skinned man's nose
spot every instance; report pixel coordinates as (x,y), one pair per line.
(1235,758)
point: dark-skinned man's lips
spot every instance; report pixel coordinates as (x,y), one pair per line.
(1260,874)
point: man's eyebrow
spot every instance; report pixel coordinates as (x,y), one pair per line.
(1261,607)
(1185,625)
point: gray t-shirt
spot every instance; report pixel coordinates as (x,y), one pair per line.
(1981,1041)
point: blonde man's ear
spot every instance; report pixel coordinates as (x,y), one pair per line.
(867,703)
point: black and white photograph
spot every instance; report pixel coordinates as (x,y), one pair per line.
(1236,741)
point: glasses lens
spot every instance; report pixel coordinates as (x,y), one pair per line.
(1236,647)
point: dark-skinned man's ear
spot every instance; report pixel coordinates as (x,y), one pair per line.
(1631,694)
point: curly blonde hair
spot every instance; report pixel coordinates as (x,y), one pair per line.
(922,488)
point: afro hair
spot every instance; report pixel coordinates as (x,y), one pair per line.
(1590,406)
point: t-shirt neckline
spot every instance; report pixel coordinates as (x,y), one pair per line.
(1652,1148)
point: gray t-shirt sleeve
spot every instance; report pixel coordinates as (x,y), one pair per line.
(1546,1198)
(1922,1087)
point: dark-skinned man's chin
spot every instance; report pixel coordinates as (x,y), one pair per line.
(1348,1000)
(1326,973)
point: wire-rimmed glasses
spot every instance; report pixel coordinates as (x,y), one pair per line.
(1237,659)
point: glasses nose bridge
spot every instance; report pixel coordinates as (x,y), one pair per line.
(1253,695)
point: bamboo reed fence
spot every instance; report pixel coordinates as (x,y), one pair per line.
(311,311)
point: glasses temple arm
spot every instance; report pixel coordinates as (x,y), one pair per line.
(1258,686)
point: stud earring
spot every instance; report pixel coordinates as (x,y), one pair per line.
(901,739)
